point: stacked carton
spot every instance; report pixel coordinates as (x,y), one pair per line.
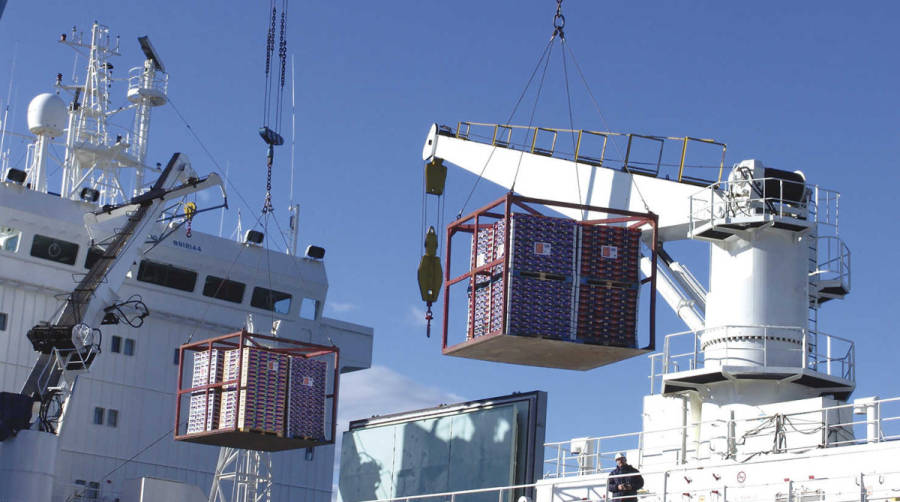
(487,307)
(231,371)
(207,370)
(306,399)
(553,262)
(260,405)
(542,265)
(608,290)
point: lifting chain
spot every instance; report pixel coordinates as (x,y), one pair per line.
(282,45)
(270,42)
(267,206)
(559,21)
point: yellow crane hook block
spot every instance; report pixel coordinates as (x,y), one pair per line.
(430,273)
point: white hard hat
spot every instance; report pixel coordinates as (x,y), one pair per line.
(620,455)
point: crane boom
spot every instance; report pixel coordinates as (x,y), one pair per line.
(542,176)
(69,343)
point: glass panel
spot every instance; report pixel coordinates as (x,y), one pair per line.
(129,347)
(3,317)
(52,249)
(308,308)
(9,239)
(112,418)
(98,416)
(271,300)
(223,289)
(116,344)
(167,275)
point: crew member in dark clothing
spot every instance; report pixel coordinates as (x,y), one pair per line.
(624,481)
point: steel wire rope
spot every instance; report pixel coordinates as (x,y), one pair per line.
(571,117)
(142,450)
(236,191)
(202,318)
(544,53)
(537,99)
(605,124)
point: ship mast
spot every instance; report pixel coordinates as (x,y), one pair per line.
(96,152)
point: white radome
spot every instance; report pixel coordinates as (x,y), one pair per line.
(47,115)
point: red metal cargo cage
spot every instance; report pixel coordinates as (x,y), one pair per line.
(258,392)
(551,291)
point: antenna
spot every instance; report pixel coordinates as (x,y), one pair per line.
(151,53)
(5,124)
(293,129)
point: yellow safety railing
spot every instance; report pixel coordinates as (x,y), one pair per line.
(544,140)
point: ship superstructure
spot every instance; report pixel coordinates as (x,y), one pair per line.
(118,423)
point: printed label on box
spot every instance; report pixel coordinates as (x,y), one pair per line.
(610,252)
(308,381)
(542,248)
(273,365)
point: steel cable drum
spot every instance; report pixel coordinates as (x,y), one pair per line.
(785,185)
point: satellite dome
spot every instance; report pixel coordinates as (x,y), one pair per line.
(47,115)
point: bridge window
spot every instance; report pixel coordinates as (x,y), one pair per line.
(308,309)
(98,415)
(223,289)
(52,249)
(3,318)
(167,275)
(115,345)
(271,300)
(128,349)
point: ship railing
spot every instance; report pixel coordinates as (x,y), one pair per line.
(596,455)
(881,422)
(498,493)
(92,491)
(649,155)
(137,79)
(833,262)
(740,439)
(820,352)
(761,199)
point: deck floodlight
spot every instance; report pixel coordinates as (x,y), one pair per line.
(315,252)
(89,194)
(254,237)
(16,175)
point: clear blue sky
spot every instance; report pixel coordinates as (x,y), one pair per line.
(800,85)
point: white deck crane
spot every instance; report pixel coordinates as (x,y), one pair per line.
(753,326)
(68,344)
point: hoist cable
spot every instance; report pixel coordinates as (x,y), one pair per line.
(537,98)
(571,118)
(508,120)
(605,124)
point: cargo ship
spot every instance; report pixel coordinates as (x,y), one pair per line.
(107,433)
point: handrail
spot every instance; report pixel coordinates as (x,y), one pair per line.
(569,464)
(500,136)
(811,357)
